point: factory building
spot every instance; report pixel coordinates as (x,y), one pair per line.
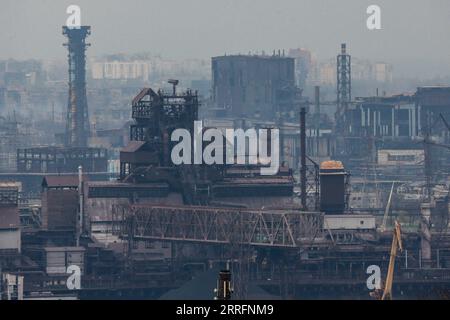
(59,202)
(255,86)
(395,116)
(401,116)
(393,131)
(433,103)
(160,224)
(10,234)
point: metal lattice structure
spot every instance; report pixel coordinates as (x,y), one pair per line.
(77,126)
(76,152)
(239,231)
(61,159)
(312,185)
(344,87)
(309,171)
(156,115)
(275,228)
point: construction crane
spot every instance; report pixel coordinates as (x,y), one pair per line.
(388,206)
(396,245)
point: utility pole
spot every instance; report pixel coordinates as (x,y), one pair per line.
(81,205)
(317,116)
(303,156)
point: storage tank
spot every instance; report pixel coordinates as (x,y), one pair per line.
(332,187)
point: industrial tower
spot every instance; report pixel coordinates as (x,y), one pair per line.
(77,125)
(75,153)
(344,88)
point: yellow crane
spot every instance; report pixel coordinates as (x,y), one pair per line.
(396,245)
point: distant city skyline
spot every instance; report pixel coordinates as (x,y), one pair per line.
(413,37)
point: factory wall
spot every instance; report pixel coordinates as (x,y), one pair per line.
(59,209)
(248,85)
(400,157)
(349,222)
(10,239)
(57,259)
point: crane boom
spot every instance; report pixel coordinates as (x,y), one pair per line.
(396,244)
(388,206)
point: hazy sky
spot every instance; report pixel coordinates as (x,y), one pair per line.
(415,35)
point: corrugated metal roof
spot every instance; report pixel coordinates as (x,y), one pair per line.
(62,181)
(9,217)
(142,94)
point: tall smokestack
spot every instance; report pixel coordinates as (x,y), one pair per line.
(77,125)
(317,116)
(303,194)
(344,88)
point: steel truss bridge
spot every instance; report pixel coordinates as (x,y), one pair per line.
(269,228)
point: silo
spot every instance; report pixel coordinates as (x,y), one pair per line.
(332,187)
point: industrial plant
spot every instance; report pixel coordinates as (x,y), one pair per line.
(93,206)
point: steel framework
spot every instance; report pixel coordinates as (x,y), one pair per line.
(61,159)
(275,228)
(77,127)
(344,88)
(312,185)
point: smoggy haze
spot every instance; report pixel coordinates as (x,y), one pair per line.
(414,37)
